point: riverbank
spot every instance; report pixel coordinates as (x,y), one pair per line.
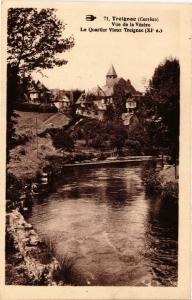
(35,262)
(28,259)
(163,183)
(112,160)
(32,261)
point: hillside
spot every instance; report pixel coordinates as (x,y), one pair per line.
(30,155)
(27,122)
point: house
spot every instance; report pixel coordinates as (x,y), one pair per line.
(62,104)
(96,101)
(129,117)
(37,93)
(62,100)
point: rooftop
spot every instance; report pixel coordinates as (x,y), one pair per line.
(111,71)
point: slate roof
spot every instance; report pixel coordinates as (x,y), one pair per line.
(111,71)
(36,87)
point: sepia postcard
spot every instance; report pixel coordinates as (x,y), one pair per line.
(95,153)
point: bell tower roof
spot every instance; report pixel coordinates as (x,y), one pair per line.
(112,71)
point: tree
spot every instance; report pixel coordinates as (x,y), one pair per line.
(34,42)
(118,136)
(109,113)
(35,39)
(62,140)
(120,97)
(164,91)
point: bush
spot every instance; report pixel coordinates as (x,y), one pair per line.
(152,184)
(151,180)
(134,147)
(13,188)
(65,272)
(170,191)
(9,244)
(98,142)
(62,140)
(83,156)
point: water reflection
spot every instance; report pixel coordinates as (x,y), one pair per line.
(162,237)
(116,236)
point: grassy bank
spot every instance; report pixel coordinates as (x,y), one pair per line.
(162,183)
(31,151)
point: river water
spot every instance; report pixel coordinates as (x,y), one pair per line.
(101,219)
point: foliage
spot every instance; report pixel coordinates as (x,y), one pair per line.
(98,142)
(170,191)
(151,179)
(118,137)
(109,113)
(34,42)
(35,107)
(35,39)
(102,134)
(156,185)
(14,187)
(134,146)
(65,273)
(152,183)
(162,107)
(119,97)
(9,244)
(62,140)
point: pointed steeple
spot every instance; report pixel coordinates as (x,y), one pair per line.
(111,76)
(112,72)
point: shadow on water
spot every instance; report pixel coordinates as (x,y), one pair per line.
(162,238)
(117,198)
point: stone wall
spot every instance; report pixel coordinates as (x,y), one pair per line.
(40,263)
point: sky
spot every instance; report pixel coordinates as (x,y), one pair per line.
(134,55)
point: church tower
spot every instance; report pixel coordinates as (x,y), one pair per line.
(111,76)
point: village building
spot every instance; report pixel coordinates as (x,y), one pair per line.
(96,101)
(37,93)
(62,100)
(129,118)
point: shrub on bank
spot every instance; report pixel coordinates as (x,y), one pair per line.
(170,191)
(150,177)
(154,184)
(14,187)
(66,273)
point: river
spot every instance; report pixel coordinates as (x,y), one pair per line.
(101,219)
